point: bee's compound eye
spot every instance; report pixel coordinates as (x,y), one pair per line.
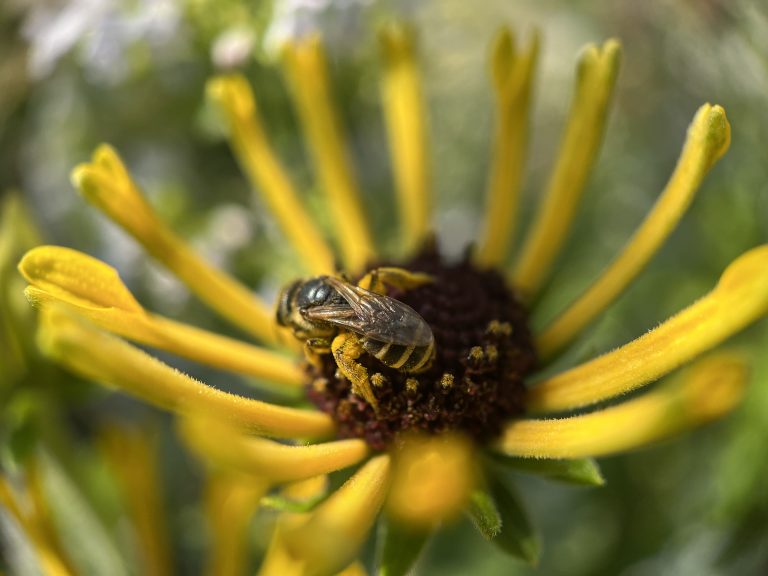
(284,303)
(317,293)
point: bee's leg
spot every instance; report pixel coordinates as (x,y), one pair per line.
(314,348)
(346,350)
(376,280)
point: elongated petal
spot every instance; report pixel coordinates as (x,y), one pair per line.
(708,139)
(132,456)
(231,500)
(710,389)
(307,71)
(328,541)
(595,80)
(406,122)
(299,496)
(740,298)
(94,290)
(513,82)
(96,355)
(265,172)
(432,480)
(106,184)
(279,561)
(268,459)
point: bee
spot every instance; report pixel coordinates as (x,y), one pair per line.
(333,316)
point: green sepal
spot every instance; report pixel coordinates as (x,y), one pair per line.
(398,546)
(484,514)
(500,518)
(581,472)
(284,504)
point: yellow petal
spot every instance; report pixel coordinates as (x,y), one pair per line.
(231,500)
(432,479)
(354,569)
(279,560)
(106,184)
(132,456)
(93,289)
(330,538)
(309,489)
(708,390)
(740,298)
(406,122)
(74,277)
(98,356)
(513,83)
(708,139)
(595,80)
(265,172)
(307,71)
(268,459)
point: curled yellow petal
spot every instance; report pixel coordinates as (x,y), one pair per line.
(595,80)
(72,276)
(708,139)
(231,500)
(307,71)
(99,356)
(512,74)
(328,540)
(265,172)
(132,456)
(406,122)
(106,184)
(740,298)
(93,289)
(265,458)
(432,479)
(706,391)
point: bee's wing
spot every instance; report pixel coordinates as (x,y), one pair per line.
(338,315)
(380,317)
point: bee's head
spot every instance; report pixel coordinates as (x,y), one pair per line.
(286,303)
(315,292)
(302,295)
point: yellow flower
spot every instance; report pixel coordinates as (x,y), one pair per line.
(428,444)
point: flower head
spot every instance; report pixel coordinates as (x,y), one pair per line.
(429,422)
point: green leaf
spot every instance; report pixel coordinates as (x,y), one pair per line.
(399,546)
(284,504)
(517,536)
(484,514)
(581,472)
(83,537)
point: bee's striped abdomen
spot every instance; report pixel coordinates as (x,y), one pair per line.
(399,356)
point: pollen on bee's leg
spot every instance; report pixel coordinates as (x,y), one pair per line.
(412,385)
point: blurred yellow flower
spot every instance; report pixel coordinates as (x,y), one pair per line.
(427,458)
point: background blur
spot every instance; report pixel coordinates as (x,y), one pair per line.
(132,72)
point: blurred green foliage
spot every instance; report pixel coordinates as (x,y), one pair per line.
(133,74)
